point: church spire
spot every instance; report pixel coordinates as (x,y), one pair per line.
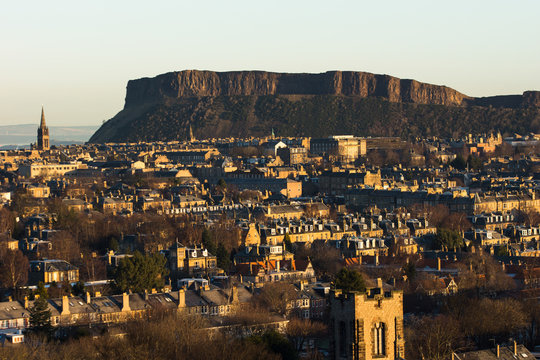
(42,125)
(43,133)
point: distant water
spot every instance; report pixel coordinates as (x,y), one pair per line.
(24,135)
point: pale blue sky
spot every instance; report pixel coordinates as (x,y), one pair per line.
(76,58)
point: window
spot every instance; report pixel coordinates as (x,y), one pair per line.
(342,339)
(379,339)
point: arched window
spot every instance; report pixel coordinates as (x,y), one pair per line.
(379,338)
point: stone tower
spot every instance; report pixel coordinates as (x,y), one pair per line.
(43,134)
(365,326)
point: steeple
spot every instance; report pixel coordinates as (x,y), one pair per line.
(43,133)
(42,125)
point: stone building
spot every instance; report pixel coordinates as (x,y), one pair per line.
(367,325)
(343,148)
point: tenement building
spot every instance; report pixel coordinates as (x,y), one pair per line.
(367,325)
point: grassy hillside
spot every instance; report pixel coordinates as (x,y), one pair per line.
(316,116)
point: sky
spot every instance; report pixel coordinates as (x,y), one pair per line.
(75,57)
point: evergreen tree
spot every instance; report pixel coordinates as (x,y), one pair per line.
(40,316)
(409,269)
(141,272)
(208,241)
(41,291)
(223,258)
(349,280)
(288,244)
(449,239)
(459,162)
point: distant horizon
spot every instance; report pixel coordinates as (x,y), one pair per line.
(25,134)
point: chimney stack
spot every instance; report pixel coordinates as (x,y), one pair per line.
(26,305)
(515,348)
(88,298)
(234,295)
(498,351)
(181,299)
(125,302)
(65,306)
(379,283)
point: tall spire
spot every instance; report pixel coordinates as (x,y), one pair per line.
(42,133)
(42,125)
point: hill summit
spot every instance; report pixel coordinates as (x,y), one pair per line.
(251,103)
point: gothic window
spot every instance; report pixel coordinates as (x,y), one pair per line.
(379,338)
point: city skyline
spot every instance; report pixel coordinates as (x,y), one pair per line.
(76,60)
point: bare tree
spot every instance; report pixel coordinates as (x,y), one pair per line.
(13,269)
(433,338)
(276,297)
(300,330)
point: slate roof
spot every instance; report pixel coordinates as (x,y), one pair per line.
(51,265)
(505,352)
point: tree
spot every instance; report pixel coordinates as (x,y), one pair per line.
(287,242)
(433,337)
(41,291)
(141,272)
(449,239)
(456,221)
(221,186)
(299,330)
(223,257)
(276,297)
(409,269)
(349,280)
(459,162)
(64,247)
(475,163)
(7,221)
(326,260)
(40,316)
(13,268)
(276,343)
(208,241)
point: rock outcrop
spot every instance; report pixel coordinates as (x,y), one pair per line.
(194,83)
(250,103)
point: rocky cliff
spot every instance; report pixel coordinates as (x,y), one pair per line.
(193,83)
(245,103)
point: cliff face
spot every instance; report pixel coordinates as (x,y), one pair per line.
(193,83)
(251,103)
